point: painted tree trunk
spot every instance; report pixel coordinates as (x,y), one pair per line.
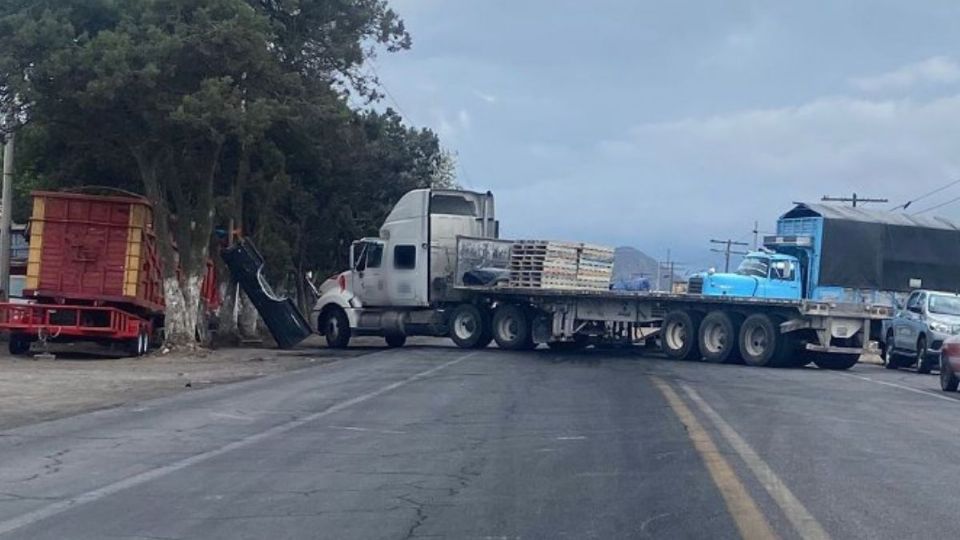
(248,319)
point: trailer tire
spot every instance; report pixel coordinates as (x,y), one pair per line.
(761,342)
(678,337)
(511,328)
(836,362)
(19,344)
(335,327)
(395,340)
(719,337)
(470,327)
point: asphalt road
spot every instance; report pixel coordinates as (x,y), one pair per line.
(439,442)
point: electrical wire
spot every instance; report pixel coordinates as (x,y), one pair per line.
(934,207)
(924,196)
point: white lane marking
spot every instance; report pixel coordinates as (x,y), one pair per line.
(802,520)
(232,416)
(572,438)
(900,386)
(355,428)
(110,489)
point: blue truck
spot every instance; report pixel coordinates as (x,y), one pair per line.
(844,255)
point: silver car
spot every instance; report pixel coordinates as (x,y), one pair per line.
(916,333)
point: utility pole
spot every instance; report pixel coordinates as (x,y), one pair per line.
(854,199)
(756,232)
(727,250)
(6,211)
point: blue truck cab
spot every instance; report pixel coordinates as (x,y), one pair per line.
(762,274)
(844,255)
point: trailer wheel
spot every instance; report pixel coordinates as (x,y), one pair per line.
(511,328)
(678,336)
(335,326)
(470,327)
(19,344)
(719,337)
(834,361)
(761,342)
(395,340)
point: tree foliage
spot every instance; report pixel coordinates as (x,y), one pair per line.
(224,113)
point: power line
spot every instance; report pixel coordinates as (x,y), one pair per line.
(934,207)
(905,205)
(727,250)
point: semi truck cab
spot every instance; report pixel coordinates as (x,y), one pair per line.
(400,281)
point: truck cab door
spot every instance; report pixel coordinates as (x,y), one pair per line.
(368,273)
(784,280)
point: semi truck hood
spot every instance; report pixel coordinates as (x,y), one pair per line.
(729,285)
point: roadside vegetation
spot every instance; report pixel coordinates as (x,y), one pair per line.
(255,116)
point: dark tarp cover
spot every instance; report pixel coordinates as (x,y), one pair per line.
(872,249)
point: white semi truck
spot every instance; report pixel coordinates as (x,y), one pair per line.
(410,281)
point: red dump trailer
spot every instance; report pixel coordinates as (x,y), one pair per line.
(93,274)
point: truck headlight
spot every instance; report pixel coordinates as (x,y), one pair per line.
(940,327)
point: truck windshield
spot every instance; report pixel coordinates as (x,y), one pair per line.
(942,304)
(754,266)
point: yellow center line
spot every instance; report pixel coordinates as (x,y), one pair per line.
(743,509)
(802,520)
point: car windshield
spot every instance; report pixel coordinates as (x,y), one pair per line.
(942,304)
(754,266)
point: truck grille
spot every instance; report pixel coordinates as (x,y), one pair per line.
(695,285)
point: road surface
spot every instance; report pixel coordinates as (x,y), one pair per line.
(438,442)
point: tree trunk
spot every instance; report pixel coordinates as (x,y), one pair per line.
(229,325)
(228,329)
(185,266)
(248,319)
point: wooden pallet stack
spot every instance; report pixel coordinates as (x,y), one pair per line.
(543,264)
(546,264)
(595,267)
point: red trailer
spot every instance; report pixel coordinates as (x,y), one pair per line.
(93,273)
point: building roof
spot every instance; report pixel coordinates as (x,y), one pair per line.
(863,215)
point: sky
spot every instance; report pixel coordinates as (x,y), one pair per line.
(661,125)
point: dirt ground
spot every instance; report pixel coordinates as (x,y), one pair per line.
(37,389)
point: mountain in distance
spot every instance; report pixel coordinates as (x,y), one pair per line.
(629,261)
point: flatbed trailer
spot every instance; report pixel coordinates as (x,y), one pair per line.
(440,268)
(806,330)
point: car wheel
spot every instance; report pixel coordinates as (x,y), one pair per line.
(923,365)
(19,344)
(395,340)
(948,380)
(890,359)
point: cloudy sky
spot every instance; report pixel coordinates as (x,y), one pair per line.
(664,124)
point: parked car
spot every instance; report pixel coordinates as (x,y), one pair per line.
(919,328)
(950,364)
